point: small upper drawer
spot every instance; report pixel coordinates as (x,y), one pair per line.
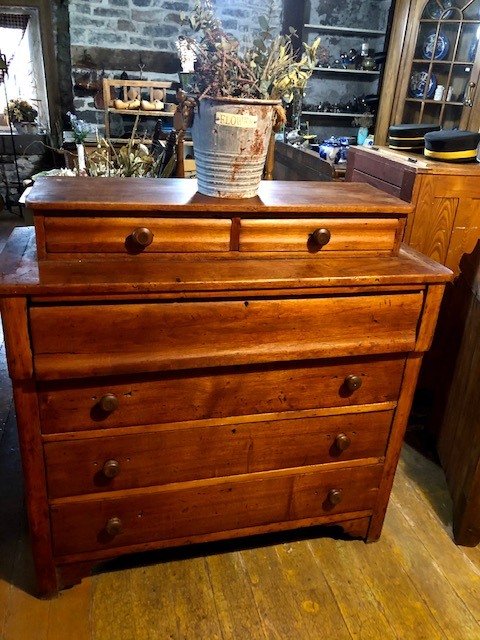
(66,235)
(375,235)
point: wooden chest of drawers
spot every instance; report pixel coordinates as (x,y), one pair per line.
(188,369)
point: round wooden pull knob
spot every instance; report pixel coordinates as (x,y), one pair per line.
(111,468)
(142,237)
(353,382)
(114,526)
(342,441)
(335,496)
(321,237)
(108,402)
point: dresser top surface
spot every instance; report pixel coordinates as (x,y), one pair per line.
(21,273)
(156,195)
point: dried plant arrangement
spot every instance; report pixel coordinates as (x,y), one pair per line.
(266,68)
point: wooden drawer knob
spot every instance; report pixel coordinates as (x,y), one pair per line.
(321,237)
(114,526)
(111,468)
(142,237)
(353,382)
(342,441)
(335,496)
(108,402)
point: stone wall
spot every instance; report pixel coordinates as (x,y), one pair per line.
(139,36)
(145,25)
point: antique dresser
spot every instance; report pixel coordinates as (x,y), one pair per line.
(187,369)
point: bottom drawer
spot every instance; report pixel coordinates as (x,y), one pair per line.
(199,508)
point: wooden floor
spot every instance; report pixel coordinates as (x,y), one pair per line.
(415,583)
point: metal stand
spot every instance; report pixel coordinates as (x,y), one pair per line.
(11,200)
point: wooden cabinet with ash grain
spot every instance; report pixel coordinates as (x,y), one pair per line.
(188,369)
(445,223)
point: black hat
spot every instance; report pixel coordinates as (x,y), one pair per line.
(452,146)
(409,136)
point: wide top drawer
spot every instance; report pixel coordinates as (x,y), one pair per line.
(100,339)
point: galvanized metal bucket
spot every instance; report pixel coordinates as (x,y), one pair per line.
(230,142)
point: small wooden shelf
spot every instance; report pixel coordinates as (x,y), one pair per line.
(136,112)
(427,61)
(147,90)
(442,21)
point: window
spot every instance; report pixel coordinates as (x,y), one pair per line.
(20,43)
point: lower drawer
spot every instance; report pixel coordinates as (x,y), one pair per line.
(195,509)
(177,455)
(103,403)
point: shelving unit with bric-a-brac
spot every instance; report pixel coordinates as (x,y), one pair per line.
(144,98)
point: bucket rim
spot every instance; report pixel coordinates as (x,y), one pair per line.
(231,100)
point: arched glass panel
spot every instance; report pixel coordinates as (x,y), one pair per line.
(440,78)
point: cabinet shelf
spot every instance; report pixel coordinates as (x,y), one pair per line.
(331,114)
(140,112)
(335,86)
(458,71)
(454,21)
(420,101)
(352,71)
(345,30)
(463,63)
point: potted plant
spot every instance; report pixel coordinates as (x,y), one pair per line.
(236,99)
(21,114)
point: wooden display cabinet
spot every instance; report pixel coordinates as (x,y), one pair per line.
(329,104)
(446,222)
(458,437)
(432,44)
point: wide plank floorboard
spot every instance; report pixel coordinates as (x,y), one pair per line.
(414,583)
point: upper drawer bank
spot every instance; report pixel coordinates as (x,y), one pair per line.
(88,217)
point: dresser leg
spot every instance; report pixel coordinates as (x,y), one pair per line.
(410,376)
(356,528)
(69,575)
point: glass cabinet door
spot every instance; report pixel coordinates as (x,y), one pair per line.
(443,74)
